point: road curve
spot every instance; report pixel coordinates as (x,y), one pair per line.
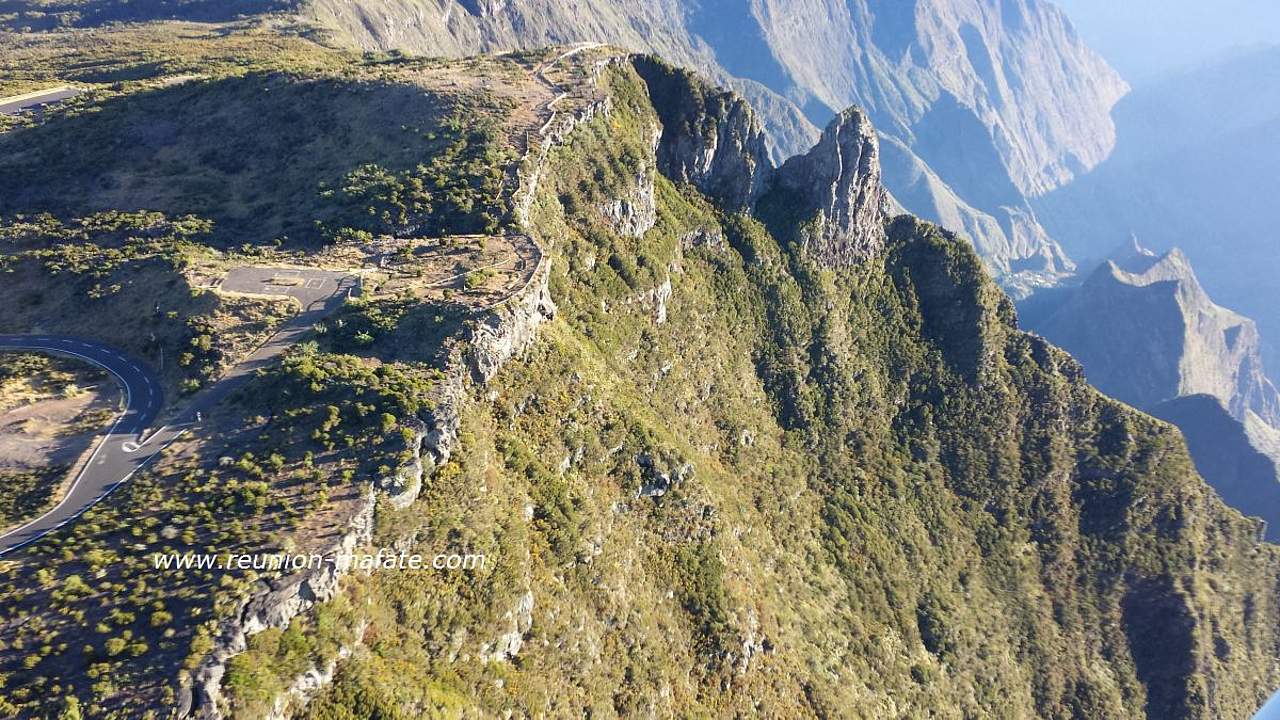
(129,445)
(116,457)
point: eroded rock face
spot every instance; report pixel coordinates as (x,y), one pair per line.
(484,8)
(836,187)
(273,604)
(635,213)
(519,620)
(710,137)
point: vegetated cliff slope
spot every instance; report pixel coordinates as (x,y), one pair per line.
(1228,453)
(1000,100)
(742,474)
(1147,333)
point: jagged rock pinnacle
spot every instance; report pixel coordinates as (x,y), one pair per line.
(837,185)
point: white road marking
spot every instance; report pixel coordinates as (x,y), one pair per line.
(128,392)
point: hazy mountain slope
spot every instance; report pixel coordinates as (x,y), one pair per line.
(1147,332)
(1146,39)
(1194,168)
(1228,456)
(1014,247)
(1016,70)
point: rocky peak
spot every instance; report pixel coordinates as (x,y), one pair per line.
(835,188)
(1132,257)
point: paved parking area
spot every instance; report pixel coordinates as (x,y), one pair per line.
(308,286)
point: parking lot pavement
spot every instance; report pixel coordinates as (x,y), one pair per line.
(307,285)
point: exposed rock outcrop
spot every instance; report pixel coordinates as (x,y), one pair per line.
(519,619)
(403,485)
(634,214)
(835,190)
(710,137)
(273,603)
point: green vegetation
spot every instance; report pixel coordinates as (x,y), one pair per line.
(36,15)
(805,493)
(274,658)
(366,155)
(128,268)
(781,491)
(175,180)
(306,435)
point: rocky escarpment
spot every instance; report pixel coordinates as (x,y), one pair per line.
(835,193)
(996,101)
(711,140)
(710,137)
(1147,332)
(272,603)
(489,342)
(798,493)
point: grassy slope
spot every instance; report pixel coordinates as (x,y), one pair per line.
(266,156)
(898,503)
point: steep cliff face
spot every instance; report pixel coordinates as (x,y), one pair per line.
(834,192)
(1147,333)
(710,138)
(1016,70)
(1230,455)
(729,478)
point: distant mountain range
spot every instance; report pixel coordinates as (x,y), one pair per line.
(1147,332)
(1194,168)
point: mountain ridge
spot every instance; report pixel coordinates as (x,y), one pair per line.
(919,70)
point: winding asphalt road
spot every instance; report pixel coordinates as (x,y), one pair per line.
(119,453)
(127,445)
